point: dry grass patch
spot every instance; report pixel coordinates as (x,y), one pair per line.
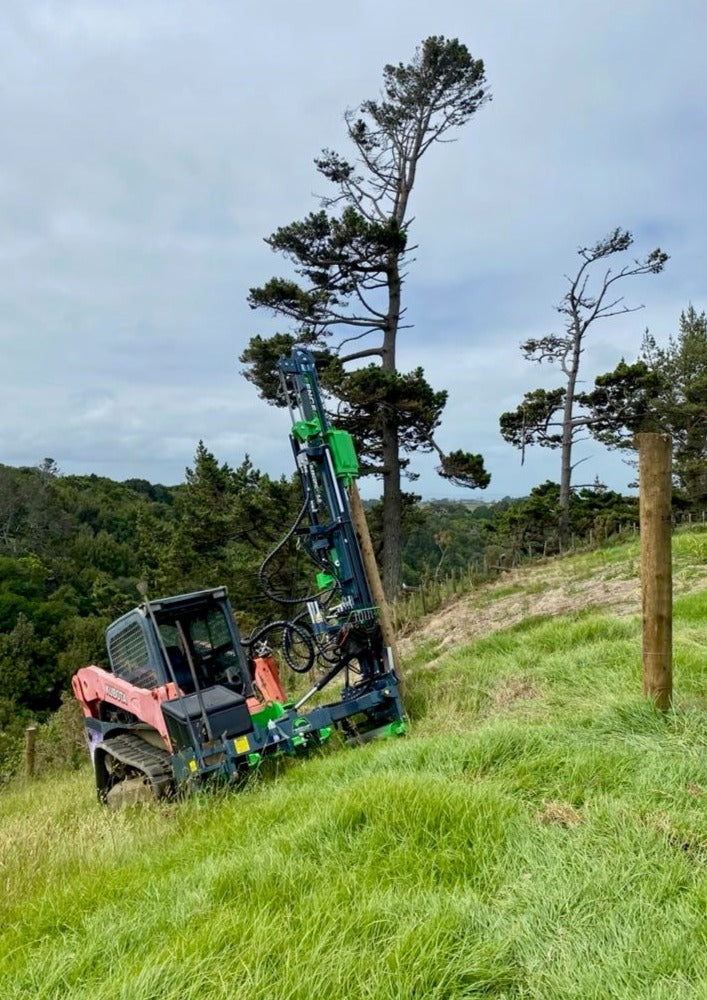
(559,814)
(512,690)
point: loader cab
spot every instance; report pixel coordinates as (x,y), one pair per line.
(195,643)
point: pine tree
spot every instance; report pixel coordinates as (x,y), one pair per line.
(665,389)
(350,258)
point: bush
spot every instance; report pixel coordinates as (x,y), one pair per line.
(61,742)
(13,722)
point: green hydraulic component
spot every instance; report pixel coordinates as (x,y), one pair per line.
(273,710)
(303,430)
(343,454)
(341,446)
(326,460)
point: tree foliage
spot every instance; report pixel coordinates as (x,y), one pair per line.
(443,536)
(531,524)
(665,389)
(349,259)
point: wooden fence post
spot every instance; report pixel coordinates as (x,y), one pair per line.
(358,517)
(30,748)
(655,488)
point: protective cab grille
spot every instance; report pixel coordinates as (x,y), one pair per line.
(130,657)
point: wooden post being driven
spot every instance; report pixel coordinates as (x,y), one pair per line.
(655,488)
(358,518)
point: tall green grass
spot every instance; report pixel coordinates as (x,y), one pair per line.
(542,834)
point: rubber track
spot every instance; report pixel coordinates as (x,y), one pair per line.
(151,761)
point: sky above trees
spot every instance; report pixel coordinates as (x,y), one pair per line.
(149,148)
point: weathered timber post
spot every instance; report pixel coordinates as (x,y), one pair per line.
(655,488)
(30,745)
(358,517)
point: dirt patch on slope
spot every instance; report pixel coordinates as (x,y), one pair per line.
(542,591)
(557,586)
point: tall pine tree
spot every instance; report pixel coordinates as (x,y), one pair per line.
(350,258)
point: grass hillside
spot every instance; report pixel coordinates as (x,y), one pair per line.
(541,833)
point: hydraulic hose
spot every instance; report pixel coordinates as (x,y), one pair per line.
(291,634)
(262,577)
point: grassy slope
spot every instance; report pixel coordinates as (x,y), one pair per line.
(541,834)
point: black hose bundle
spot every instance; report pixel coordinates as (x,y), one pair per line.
(262,578)
(295,640)
(300,646)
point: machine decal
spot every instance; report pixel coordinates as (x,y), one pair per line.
(116,695)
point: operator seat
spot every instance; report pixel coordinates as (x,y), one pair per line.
(180,666)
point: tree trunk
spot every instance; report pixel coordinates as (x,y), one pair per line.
(568,438)
(565,479)
(392,496)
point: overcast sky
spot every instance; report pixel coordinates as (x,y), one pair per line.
(150,145)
